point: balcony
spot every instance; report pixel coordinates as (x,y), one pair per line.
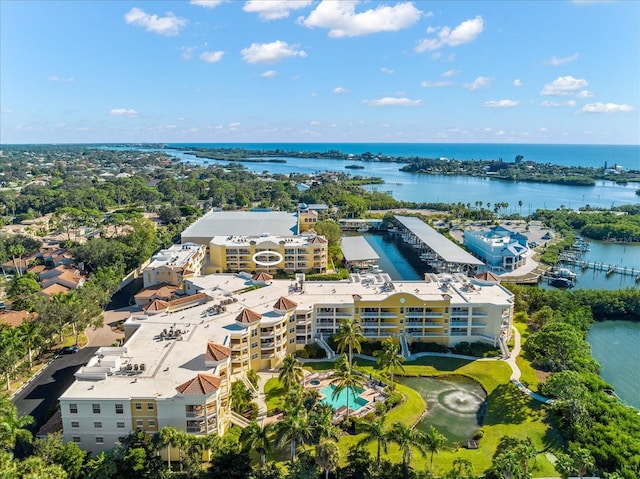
(430,324)
(459,324)
(478,324)
(480,314)
(433,315)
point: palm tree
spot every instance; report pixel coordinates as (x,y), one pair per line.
(343,377)
(526,451)
(12,348)
(294,429)
(291,373)
(375,432)
(320,418)
(327,456)
(256,437)
(13,427)
(32,337)
(166,437)
(349,337)
(19,251)
(407,438)
(507,463)
(565,465)
(389,358)
(434,442)
(462,469)
(583,460)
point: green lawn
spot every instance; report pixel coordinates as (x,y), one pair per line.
(509,412)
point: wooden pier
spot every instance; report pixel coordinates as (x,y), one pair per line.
(609,269)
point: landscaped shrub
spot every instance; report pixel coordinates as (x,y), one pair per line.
(342,274)
(477,349)
(428,348)
(312,351)
(393,400)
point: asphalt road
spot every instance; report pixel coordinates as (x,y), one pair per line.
(40,398)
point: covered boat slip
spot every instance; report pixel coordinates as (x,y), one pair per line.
(440,253)
(357,252)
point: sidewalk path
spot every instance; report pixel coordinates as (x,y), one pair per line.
(106,336)
(515,370)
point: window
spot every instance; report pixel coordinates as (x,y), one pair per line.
(138,406)
(73,408)
(255,356)
(254,345)
(151,423)
(76,439)
(139,423)
(254,333)
(119,409)
(292,319)
(96,408)
(75,424)
(97,424)
(150,406)
(292,340)
(120,424)
(99,440)
(292,330)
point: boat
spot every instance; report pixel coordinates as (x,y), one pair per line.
(561,282)
(562,273)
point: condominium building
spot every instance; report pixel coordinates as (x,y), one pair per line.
(501,249)
(180,357)
(174,264)
(267,253)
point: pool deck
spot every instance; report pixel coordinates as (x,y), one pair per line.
(370,393)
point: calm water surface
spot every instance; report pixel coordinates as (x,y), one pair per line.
(614,344)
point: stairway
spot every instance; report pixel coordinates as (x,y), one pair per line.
(238,420)
(503,348)
(323,344)
(404,345)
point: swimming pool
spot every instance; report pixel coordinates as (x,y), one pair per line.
(355,401)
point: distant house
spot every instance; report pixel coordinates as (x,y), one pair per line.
(501,249)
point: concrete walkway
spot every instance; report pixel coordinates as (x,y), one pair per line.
(263,377)
(515,370)
(106,336)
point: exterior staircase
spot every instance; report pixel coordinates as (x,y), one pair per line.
(503,348)
(323,344)
(238,420)
(404,345)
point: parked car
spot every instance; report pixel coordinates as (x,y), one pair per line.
(69,350)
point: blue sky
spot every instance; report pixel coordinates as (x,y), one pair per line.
(320,71)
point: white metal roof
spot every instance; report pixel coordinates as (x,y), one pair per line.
(356,248)
(442,246)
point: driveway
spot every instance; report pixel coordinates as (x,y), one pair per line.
(40,397)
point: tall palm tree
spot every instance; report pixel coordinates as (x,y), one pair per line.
(583,461)
(12,426)
(349,337)
(434,442)
(13,350)
(256,437)
(320,420)
(17,250)
(527,451)
(327,456)
(375,432)
(32,337)
(507,463)
(166,437)
(294,429)
(344,377)
(407,439)
(291,373)
(389,358)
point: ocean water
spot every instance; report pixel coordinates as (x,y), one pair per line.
(568,155)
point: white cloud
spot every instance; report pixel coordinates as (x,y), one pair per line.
(386,70)
(274,9)
(169,25)
(61,80)
(269,74)
(480,82)
(211,57)
(544,130)
(342,21)
(605,108)
(391,101)
(7,110)
(123,112)
(340,90)
(517,82)
(556,104)
(207,3)
(563,86)
(187,52)
(435,84)
(450,73)
(466,32)
(556,62)
(270,52)
(585,94)
(500,103)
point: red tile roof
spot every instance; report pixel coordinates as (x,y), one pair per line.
(247,316)
(201,384)
(216,352)
(156,305)
(188,299)
(318,239)
(284,304)
(262,277)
